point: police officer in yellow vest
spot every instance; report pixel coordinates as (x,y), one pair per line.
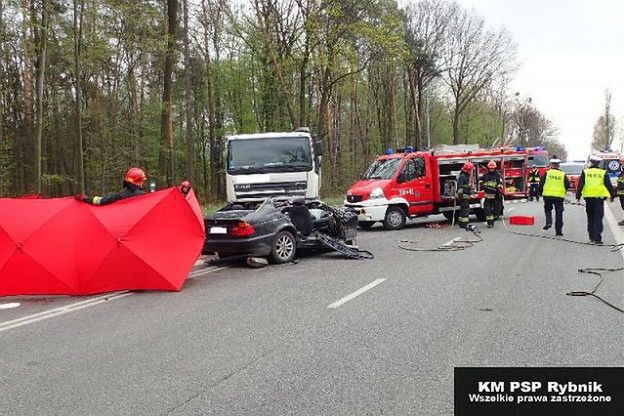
(553,188)
(620,186)
(594,186)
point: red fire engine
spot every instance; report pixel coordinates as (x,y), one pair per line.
(409,184)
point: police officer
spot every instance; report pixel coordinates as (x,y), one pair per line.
(493,185)
(553,189)
(594,186)
(464,191)
(534,181)
(620,186)
(132,183)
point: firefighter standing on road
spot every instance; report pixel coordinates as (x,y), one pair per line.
(493,186)
(534,181)
(464,192)
(594,186)
(553,189)
(133,181)
(620,186)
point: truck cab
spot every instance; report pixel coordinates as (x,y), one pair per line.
(281,165)
(394,187)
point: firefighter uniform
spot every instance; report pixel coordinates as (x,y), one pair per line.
(553,189)
(534,181)
(620,191)
(492,183)
(130,190)
(594,186)
(464,190)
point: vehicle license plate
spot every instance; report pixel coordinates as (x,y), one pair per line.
(218,230)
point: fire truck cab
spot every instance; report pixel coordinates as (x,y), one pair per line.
(410,184)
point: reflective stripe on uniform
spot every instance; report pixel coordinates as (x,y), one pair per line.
(594,184)
(554,184)
(97,200)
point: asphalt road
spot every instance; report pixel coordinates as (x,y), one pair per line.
(264,341)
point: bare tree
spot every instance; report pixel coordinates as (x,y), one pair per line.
(78,14)
(473,58)
(605,127)
(427,28)
(190,154)
(43,43)
(167,156)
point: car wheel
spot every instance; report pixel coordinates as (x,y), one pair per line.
(366,225)
(284,248)
(395,218)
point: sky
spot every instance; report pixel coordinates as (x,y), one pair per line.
(569,52)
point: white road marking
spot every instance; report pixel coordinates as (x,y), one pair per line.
(615,228)
(25,320)
(9,305)
(356,293)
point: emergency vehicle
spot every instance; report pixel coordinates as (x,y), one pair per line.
(409,184)
(611,162)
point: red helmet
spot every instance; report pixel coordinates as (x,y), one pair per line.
(491,164)
(135,176)
(468,166)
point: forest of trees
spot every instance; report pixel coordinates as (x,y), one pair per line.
(89,88)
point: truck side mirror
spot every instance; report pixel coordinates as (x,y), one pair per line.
(216,154)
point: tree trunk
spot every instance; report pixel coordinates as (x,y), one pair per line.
(77,50)
(456,112)
(166,126)
(40,81)
(190,156)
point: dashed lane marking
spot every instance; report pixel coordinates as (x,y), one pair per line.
(355,294)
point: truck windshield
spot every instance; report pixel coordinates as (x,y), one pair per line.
(572,169)
(279,154)
(383,169)
(539,160)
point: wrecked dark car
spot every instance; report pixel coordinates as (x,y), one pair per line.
(278,228)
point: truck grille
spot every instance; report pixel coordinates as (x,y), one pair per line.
(264,190)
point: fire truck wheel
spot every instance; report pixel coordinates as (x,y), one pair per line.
(395,218)
(366,225)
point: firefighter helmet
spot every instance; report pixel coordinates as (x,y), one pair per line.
(468,166)
(491,165)
(135,176)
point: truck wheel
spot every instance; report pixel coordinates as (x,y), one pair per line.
(284,248)
(395,218)
(366,225)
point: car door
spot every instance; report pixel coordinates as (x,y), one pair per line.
(415,185)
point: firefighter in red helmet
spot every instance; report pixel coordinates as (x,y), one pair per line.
(132,183)
(464,192)
(493,186)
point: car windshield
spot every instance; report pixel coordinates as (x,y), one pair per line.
(572,169)
(383,169)
(272,154)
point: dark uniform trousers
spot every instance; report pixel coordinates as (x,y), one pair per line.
(491,208)
(533,187)
(594,207)
(622,201)
(464,210)
(557,203)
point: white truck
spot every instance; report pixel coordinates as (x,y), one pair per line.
(261,165)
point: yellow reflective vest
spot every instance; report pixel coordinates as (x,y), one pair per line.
(554,184)
(594,184)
